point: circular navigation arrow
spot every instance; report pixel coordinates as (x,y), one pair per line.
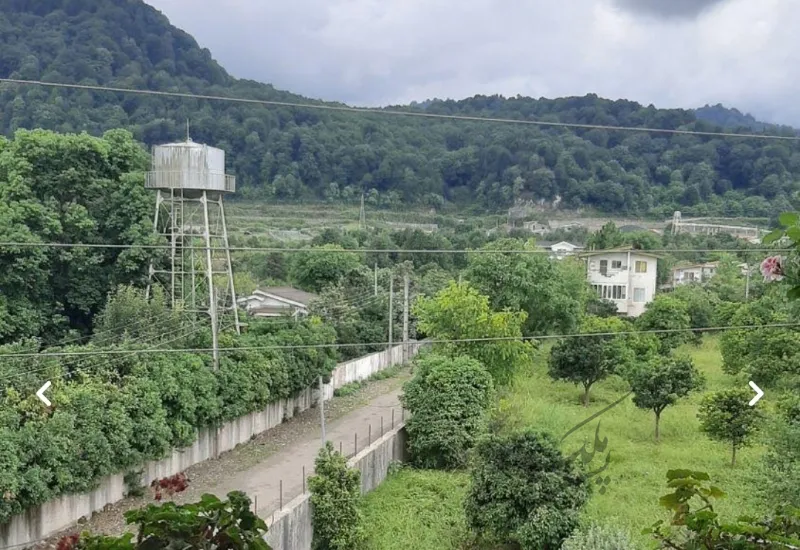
(40,394)
(759,393)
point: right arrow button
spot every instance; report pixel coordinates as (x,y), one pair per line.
(759,393)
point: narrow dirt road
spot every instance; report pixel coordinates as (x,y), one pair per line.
(273,462)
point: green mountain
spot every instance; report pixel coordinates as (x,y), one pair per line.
(735,119)
(292,153)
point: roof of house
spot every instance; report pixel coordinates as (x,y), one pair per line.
(288,293)
(616,250)
(551,244)
(696,264)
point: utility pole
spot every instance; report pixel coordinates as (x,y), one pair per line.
(405,317)
(391,314)
(747,284)
(322,410)
(376,278)
(362,216)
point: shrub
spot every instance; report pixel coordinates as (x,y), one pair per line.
(524,492)
(335,494)
(448,400)
(599,537)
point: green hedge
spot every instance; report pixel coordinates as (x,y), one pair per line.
(112,412)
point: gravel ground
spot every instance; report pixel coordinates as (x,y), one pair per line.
(258,466)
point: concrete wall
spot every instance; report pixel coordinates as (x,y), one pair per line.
(291,527)
(64,511)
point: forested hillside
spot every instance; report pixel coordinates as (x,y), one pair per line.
(295,153)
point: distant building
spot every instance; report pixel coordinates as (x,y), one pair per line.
(560,249)
(624,277)
(693,273)
(536,228)
(282,301)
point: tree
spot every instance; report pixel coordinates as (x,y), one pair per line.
(727,416)
(609,236)
(448,399)
(69,189)
(662,381)
(701,528)
(670,316)
(524,492)
(461,322)
(335,493)
(210,524)
(323,266)
(528,282)
(586,360)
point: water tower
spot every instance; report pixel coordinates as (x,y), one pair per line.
(190,182)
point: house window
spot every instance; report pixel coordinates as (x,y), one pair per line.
(638,294)
(641,266)
(690,275)
(604,267)
(616,264)
(619,292)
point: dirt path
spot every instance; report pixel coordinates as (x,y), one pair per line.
(279,455)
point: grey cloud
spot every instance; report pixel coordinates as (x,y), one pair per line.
(378,52)
(669,8)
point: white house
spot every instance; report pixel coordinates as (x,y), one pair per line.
(561,249)
(277,302)
(625,277)
(693,273)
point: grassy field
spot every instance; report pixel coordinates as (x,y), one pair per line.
(636,472)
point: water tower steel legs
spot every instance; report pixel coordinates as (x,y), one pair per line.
(189,223)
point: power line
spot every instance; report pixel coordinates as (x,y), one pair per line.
(391,112)
(427,341)
(385,250)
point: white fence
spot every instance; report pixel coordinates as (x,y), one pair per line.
(64,511)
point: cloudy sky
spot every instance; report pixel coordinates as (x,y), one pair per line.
(672,53)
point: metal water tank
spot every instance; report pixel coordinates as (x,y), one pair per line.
(190,167)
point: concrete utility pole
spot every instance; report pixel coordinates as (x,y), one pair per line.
(391,314)
(405,317)
(376,278)
(322,410)
(747,283)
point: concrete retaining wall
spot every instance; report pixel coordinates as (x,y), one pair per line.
(291,527)
(64,511)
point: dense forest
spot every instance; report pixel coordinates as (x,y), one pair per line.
(287,153)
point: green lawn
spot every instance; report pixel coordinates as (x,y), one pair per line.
(639,464)
(417,509)
(424,508)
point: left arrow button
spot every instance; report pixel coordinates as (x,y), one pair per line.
(40,394)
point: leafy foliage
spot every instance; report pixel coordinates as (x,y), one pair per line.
(448,399)
(460,312)
(586,360)
(669,314)
(210,524)
(660,382)
(526,282)
(110,415)
(524,491)
(68,188)
(703,529)
(335,494)
(727,416)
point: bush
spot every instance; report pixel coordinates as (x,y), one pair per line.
(599,537)
(113,414)
(335,494)
(448,400)
(524,492)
